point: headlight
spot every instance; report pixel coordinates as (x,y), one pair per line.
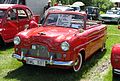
(17,40)
(65,46)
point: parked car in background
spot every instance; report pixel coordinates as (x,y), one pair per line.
(13,19)
(36,6)
(59,8)
(92,12)
(115,8)
(115,59)
(75,8)
(65,40)
(56,8)
(110,16)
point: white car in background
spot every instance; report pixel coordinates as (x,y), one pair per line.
(110,16)
(59,8)
(56,8)
(75,8)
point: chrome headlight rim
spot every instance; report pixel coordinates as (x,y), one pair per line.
(17,40)
(65,46)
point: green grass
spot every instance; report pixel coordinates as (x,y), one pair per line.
(93,69)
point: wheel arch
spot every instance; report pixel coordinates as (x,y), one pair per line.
(82,51)
(2,41)
(1,37)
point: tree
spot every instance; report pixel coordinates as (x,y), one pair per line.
(104,5)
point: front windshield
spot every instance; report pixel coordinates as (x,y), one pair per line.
(2,13)
(65,20)
(10,2)
(90,10)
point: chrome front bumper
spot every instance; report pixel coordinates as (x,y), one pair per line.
(50,62)
(105,20)
(116,71)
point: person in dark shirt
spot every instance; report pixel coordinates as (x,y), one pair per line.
(48,5)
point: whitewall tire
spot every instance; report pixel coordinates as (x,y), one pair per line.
(78,63)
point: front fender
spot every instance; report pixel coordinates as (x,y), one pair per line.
(116,49)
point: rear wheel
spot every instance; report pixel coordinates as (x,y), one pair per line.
(78,63)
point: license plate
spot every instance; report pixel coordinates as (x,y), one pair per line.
(35,62)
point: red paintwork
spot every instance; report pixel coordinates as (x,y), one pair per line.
(9,28)
(115,56)
(89,40)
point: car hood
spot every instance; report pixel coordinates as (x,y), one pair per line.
(49,34)
(110,15)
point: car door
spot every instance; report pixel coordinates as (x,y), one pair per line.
(95,39)
(23,19)
(10,25)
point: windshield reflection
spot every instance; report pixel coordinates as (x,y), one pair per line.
(2,13)
(65,20)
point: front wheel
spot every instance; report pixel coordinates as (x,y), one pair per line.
(78,63)
(103,47)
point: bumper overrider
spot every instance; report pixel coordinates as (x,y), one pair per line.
(50,62)
(116,71)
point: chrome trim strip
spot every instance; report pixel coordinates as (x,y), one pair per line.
(116,71)
(60,63)
(89,41)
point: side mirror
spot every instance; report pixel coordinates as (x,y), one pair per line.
(37,18)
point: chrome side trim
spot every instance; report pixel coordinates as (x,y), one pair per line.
(60,63)
(116,71)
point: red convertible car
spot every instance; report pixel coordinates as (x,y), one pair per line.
(13,19)
(65,40)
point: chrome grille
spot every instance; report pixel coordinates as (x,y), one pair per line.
(106,18)
(40,51)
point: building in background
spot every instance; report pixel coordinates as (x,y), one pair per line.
(37,6)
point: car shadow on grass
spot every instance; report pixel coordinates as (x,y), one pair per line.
(7,46)
(116,77)
(111,23)
(36,73)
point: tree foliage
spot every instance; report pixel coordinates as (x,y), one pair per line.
(102,4)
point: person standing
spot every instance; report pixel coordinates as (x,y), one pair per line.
(59,3)
(48,5)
